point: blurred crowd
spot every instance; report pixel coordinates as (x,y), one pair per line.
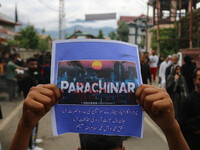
(182,82)
(14,69)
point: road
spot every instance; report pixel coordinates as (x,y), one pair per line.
(153,138)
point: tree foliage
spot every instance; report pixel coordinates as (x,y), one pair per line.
(113,35)
(167,44)
(44,43)
(123,31)
(100,36)
(30,39)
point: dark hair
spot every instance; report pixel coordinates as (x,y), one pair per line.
(195,72)
(187,59)
(100,142)
(31,59)
(13,56)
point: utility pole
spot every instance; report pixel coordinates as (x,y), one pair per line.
(158,27)
(61,16)
(179,24)
(191,22)
(147,26)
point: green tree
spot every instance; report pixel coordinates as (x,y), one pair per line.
(12,42)
(123,31)
(167,44)
(113,35)
(100,36)
(43,30)
(29,37)
(43,44)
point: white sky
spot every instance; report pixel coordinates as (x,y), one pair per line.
(44,13)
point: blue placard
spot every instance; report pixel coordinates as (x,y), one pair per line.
(98,80)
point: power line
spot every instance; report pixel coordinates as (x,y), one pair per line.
(47,6)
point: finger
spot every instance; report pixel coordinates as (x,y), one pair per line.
(147,91)
(140,89)
(54,88)
(30,104)
(43,99)
(49,93)
(157,95)
(162,106)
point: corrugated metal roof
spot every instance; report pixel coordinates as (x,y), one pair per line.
(6,19)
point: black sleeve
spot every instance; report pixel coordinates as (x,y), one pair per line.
(26,85)
(170,84)
(148,73)
(167,72)
(188,121)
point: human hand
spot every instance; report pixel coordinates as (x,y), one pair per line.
(176,76)
(38,102)
(158,105)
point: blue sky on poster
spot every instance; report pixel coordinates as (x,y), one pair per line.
(44,13)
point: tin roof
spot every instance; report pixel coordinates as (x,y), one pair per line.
(8,20)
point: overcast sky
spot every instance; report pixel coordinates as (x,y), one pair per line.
(44,13)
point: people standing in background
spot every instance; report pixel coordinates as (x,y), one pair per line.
(153,64)
(171,67)
(186,71)
(145,70)
(177,89)
(11,76)
(162,70)
(190,115)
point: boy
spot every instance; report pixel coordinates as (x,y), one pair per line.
(155,101)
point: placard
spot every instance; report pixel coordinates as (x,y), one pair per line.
(97,80)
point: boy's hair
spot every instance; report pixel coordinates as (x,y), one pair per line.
(100,142)
(31,59)
(13,56)
(195,73)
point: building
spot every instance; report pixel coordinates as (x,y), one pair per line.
(137,28)
(7,28)
(166,13)
(169,11)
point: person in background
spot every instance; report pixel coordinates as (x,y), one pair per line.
(146,58)
(170,59)
(161,59)
(32,78)
(153,64)
(177,89)
(145,70)
(20,62)
(162,70)
(186,70)
(171,67)
(155,101)
(5,59)
(190,115)
(11,76)
(1,66)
